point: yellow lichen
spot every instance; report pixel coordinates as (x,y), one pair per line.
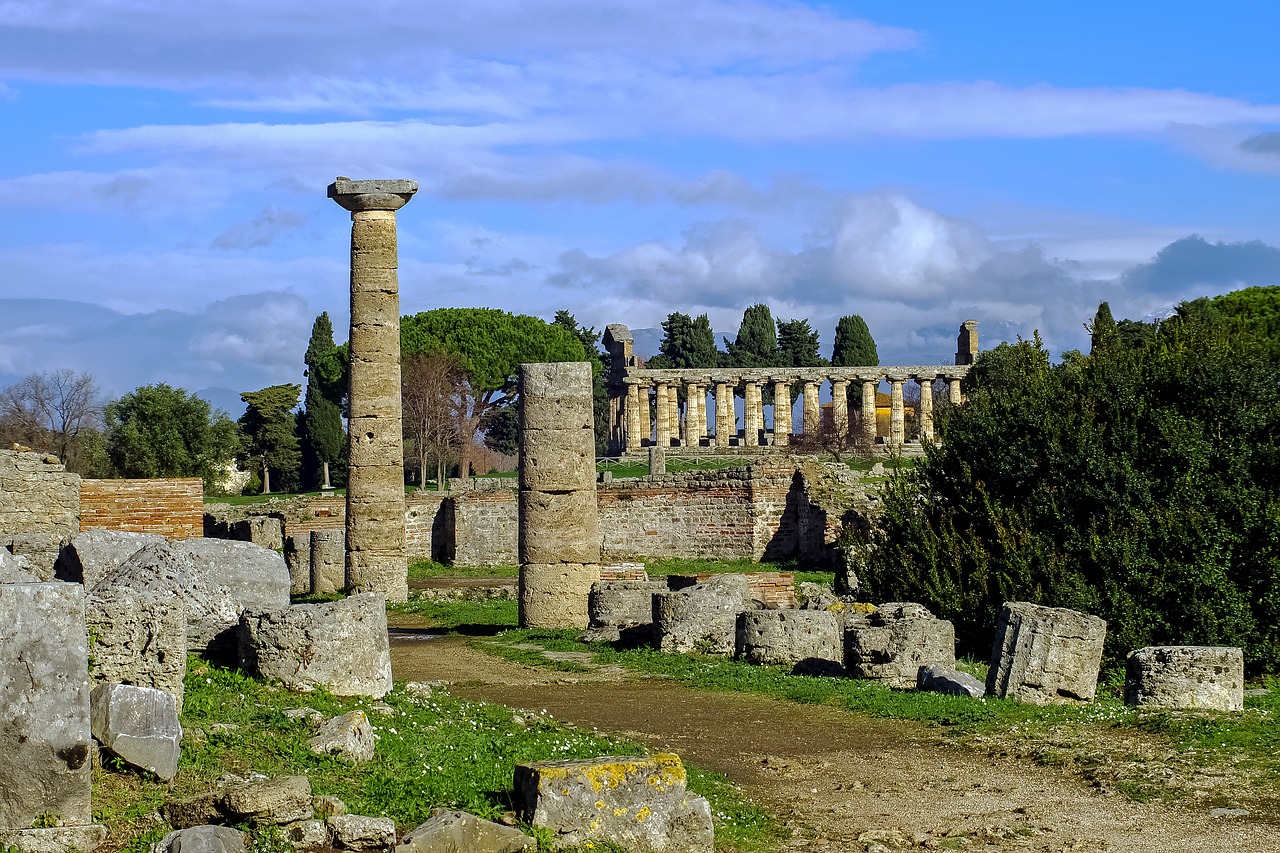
(642,814)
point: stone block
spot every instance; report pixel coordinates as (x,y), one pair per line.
(555,596)
(358,832)
(810,639)
(297,558)
(891,643)
(14,569)
(452,831)
(139,725)
(328,561)
(559,527)
(255,576)
(92,555)
(1209,678)
(40,550)
(138,637)
(307,834)
(262,530)
(269,802)
(161,570)
(379,572)
(556,395)
(340,645)
(202,839)
(637,803)
(1043,655)
(44,705)
(349,736)
(623,604)
(558,460)
(702,617)
(55,839)
(950,681)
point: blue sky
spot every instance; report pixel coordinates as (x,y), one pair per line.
(163,168)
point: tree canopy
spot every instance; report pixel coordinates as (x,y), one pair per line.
(161,431)
(757,342)
(853,345)
(320,424)
(270,437)
(798,345)
(686,343)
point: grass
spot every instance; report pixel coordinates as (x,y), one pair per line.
(436,751)
(428,569)
(657,569)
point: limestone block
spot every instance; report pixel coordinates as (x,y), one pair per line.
(890,644)
(44,704)
(622,603)
(40,550)
(92,555)
(556,396)
(950,681)
(1044,655)
(702,617)
(559,527)
(1208,678)
(269,802)
(555,596)
(255,576)
(139,725)
(328,560)
(14,569)
(307,834)
(340,645)
(195,810)
(202,839)
(55,839)
(374,440)
(451,831)
(558,460)
(349,736)
(375,344)
(158,569)
(637,803)
(358,832)
(378,572)
(810,638)
(297,558)
(263,530)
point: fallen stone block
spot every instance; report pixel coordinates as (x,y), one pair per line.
(942,679)
(624,604)
(349,736)
(197,810)
(637,803)
(1209,678)
(138,725)
(254,576)
(202,839)
(93,554)
(307,834)
(357,832)
(805,638)
(269,802)
(14,569)
(339,645)
(890,644)
(38,551)
(328,561)
(45,741)
(702,617)
(452,831)
(138,637)
(1044,655)
(55,839)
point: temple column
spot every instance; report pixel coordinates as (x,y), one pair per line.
(673,400)
(375,534)
(693,419)
(840,407)
(752,413)
(811,413)
(662,416)
(870,427)
(897,414)
(953,391)
(926,408)
(724,414)
(781,413)
(633,416)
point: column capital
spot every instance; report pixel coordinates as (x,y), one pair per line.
(356,196)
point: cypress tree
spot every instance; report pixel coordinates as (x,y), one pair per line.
(854,346)
(323,436)
(1103,334)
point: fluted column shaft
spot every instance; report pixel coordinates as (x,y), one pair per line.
(811,412)
(752,413)
(724,414)
(953,391)
(840,407)
(897,415)
(695,417)
(781,413)
(673,401)
(662,416)
(926,408)
(870,425)
(633,417)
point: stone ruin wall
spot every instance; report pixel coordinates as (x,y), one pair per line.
(37,495)
(171,508)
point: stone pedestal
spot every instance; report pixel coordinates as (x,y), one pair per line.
(375,555)
(1201,677)
(559,536)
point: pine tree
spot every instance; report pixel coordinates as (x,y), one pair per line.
(271,441)
(798,345)
(757,341)
(854,346)
(687,343)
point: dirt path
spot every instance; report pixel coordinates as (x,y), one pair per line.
(839,781)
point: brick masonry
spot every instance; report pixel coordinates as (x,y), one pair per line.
(173,508)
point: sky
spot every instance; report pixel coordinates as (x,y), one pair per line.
(163,168)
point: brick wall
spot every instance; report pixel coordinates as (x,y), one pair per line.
(172,508)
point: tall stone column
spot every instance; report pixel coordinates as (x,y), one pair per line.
(897,414)
(953,392)
(661,416)
(724,414)
(559,532)
(752,413)
(633,416)
(840,407)
(673,400)
(781,413)
(926,408)
(695,418)
(870,424)
(811,411)
(375,557)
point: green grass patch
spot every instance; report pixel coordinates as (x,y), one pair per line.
(428,569)
(461,617)
(436,751)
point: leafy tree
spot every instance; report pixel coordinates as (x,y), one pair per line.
(57,412)
(1136,484)
(798,345)
(1254,310)
(489,345)
(161,431)
(757,342)
(500,428)
(270,433)
(320,424)
(853,346)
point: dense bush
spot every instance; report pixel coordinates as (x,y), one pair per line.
(1141,484)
